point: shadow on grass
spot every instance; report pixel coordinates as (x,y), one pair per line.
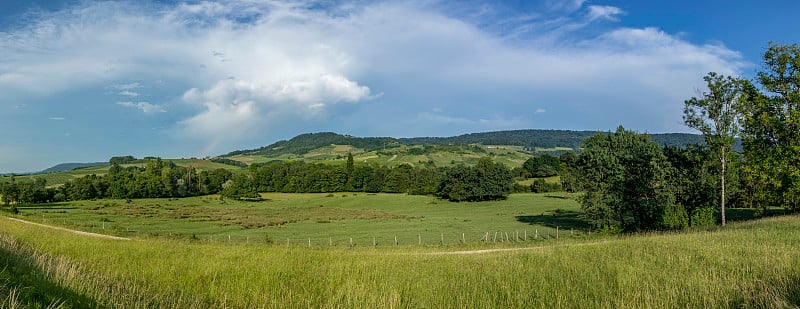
(36,290)
(780,293)
(562,219)
(747,214)
(46,206)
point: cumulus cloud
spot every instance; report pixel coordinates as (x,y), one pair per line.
(145,107)
(247,66)
(237,106)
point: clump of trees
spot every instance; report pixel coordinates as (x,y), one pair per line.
(624,176)
(157,179)
(544,165)
(487,180)
(632,184)
(14,192)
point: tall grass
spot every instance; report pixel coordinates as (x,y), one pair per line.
(752,265)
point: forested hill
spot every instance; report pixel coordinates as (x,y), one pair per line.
(304,143)
(70,166)
(542,138)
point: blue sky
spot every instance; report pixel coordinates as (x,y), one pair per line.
(83,81)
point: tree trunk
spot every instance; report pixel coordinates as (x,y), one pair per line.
(722,197)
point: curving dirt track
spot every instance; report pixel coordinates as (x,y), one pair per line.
(69,230)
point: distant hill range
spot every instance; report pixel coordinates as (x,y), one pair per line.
(63,167)
(533,139)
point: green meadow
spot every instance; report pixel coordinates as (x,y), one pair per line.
(751,264)
(321,219)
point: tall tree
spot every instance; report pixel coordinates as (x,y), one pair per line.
(714,114)
(771,126)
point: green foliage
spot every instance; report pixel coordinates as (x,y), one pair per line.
(485,181)
(716,117)
(625,176)
(228,162)
(301,177)
(703,217)
(240,188)
(771,129)
(568,172)
(695,181)
(157,179)
(544,165)
(540,139)
(539,185)
(14,192)
(122,160)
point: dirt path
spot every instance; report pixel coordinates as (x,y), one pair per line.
(482,251)
(392,158)
(71,231)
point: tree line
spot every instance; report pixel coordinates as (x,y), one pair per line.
(156,179)
(486,180)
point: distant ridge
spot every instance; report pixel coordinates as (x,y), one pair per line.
(544,138)
(304,143)
(63,167)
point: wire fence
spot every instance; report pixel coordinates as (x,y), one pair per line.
(498,236)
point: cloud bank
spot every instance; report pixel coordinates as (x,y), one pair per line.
(241,67)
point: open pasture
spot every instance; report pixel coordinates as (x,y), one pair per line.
(751,264)
(322,219)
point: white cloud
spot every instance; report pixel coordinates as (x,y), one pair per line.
(565,5)
(56,118)
(129,93)
(146,107)
(248,66)
(606,12)
(540,111)
(129,86)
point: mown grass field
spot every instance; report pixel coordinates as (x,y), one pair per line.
(365,218)
(751,264)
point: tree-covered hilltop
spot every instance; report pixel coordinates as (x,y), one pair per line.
(543,138)
(304,143)
(533,139)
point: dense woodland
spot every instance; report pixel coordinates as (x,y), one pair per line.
(749,156)
(530,139)
(157,179)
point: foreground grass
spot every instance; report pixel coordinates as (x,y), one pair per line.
(748,264)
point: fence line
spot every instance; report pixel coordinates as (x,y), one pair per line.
(427,239)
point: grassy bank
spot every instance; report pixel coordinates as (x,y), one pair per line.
(748,264)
